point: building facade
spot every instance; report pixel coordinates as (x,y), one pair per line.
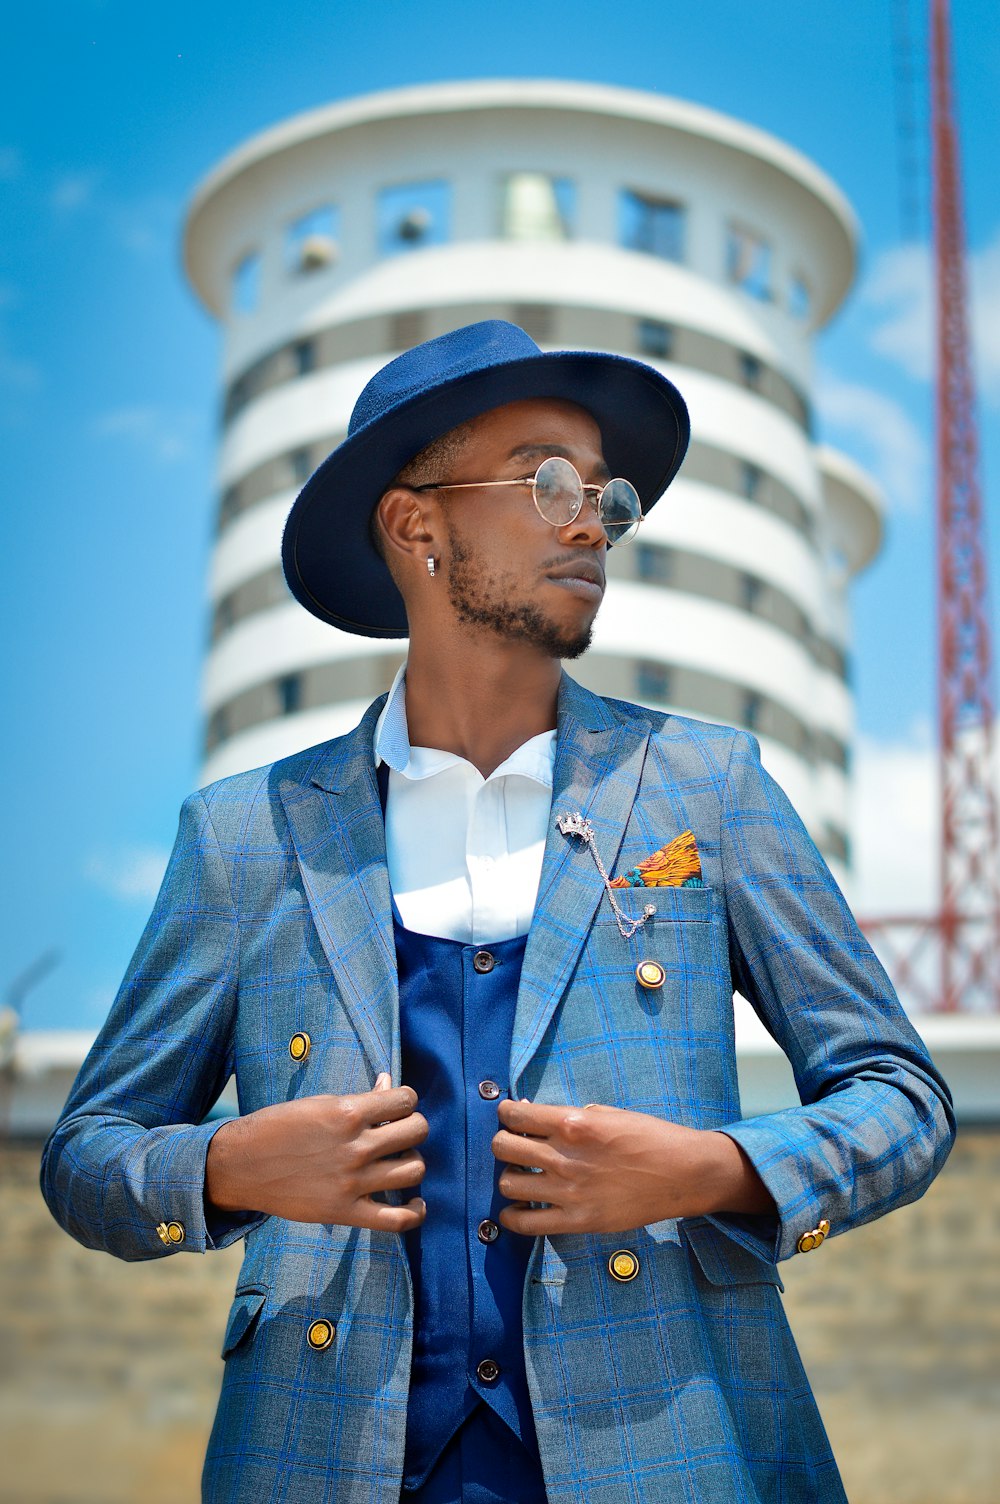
(594,217)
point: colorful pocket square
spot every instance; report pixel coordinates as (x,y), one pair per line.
(676,865)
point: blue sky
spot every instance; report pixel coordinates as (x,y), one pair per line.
(109,114)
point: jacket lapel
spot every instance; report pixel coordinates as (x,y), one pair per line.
(335,819)
(598,765)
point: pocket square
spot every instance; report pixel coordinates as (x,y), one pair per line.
(676,865)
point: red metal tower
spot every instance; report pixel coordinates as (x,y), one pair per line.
(967,926)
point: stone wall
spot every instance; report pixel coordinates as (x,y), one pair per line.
(109,1372)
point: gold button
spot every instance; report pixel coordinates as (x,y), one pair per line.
(623,1265)
(823,1228)
(320,1335)
(299,1046)
(170,1232)
(807,1242)
(650,974)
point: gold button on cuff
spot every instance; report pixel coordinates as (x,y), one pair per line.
(170,1233)
(650,974)
(813,1239)
(320,1335)
(623,1265)
(823,1227)
(299,1046)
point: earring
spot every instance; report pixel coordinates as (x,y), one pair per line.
(431,566)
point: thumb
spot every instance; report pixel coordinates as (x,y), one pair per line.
(383,1081)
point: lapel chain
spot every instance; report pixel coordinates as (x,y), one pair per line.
(576,825)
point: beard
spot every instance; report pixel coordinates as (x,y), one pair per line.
(489,601)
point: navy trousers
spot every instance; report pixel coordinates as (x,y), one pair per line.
(483,1463)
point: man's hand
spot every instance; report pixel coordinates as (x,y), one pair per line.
(607,1170)
(321,1159)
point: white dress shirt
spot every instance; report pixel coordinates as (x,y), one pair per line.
(464,851)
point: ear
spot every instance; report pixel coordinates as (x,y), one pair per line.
(403,518)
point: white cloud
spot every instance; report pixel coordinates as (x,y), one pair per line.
(897,813)
(885,436)
(133,874)
(73,191)
(166,436)
(900,288)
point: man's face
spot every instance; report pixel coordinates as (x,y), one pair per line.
(508,570)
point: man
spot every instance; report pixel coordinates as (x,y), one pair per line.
(507,1235)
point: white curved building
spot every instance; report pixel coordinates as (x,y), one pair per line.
(598,218)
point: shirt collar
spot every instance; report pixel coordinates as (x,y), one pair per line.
(533,759)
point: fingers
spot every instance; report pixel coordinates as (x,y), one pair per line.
(522,1185)
(541,1119)
(386,1104)
(392,1137)
(383,1081)
(392,1174)
(514,1149)
(534,1221)
(382,1218)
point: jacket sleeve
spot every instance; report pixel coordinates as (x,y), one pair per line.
(875,1123)
(127,1156)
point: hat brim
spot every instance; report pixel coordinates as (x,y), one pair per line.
(330,562)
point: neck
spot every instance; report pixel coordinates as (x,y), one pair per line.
(479,699)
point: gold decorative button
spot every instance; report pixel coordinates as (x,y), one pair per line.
(489,1091)
(484,960)
(488,1370)
(811,1240)
(650,974)
(487,1231)
(320,1335)
(170,1233)
(623,1265)
(299,1046)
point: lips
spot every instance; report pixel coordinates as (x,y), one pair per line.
(584,571)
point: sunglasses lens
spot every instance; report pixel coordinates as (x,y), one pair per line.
(558,494)
(621,511)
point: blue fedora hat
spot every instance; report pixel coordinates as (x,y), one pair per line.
(330,562)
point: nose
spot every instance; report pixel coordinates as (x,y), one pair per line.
(586,530)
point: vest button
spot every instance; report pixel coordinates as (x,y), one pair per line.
(489,1091)
(488,1370)
(484,960)
(487,1231)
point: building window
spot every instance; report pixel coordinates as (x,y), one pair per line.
(536,319)
(536,206)
(246,284)
(412,216)
(290,694)
(300,464)
(406,330)
(655,338)
(653,565)
(652,225)
(304,357)
(751,371)
(311,241)
(753,705)
(217,730)
(748,262)
(652,681)
(750,591)
(750,481)
(799,300)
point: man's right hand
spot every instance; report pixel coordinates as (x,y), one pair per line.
(321,1159)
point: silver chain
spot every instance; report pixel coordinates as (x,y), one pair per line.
(576,825)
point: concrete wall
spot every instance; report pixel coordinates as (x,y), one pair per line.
(109,1372)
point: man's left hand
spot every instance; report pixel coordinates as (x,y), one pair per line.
(603,1169)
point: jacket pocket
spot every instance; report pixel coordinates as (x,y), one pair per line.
(722,1260)
(243,1316)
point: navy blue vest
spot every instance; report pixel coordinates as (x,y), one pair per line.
(456,1011)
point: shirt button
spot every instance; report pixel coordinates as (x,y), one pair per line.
(488,1370)
(484,960)
(487,1231)
(489,1091)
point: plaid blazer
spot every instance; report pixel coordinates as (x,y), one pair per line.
(274,917)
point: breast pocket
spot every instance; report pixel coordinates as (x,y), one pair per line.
(672,948)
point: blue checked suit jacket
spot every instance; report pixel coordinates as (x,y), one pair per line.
(274,916)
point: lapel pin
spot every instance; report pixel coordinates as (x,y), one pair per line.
(575,824)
